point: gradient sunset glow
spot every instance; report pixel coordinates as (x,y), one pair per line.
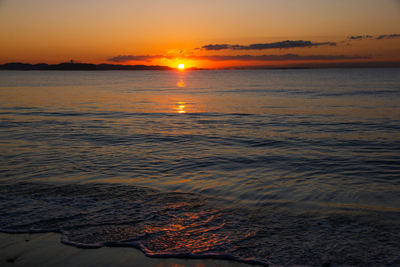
(201,34)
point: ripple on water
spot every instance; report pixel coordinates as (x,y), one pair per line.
(171,224)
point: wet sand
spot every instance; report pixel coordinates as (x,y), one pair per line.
(47,250)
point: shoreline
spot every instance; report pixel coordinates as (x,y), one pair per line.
(46,249)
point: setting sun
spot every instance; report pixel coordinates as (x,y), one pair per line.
(181,66)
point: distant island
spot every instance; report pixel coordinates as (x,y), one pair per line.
(78,66)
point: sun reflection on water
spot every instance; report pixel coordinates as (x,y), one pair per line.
(181,107)
(188,233)
(180,83)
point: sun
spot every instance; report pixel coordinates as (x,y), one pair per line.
(181,66)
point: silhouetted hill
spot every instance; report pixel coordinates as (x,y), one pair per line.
(78,66)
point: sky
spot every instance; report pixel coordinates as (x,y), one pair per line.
(204,34)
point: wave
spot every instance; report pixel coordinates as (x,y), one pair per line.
(176,224)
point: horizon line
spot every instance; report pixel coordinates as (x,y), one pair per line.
(71,66)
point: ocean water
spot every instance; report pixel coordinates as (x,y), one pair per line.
(280,167)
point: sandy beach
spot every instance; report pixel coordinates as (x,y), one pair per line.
(47,250)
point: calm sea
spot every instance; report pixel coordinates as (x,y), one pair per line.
(270,166)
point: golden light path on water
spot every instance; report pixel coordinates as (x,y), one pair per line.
(180,106)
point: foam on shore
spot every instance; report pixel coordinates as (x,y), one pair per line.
(46,250)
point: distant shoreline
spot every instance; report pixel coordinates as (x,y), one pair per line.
(72,66)
(78,66)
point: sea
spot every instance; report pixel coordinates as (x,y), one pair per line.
(270,167)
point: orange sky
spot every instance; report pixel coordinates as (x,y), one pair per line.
(170,32)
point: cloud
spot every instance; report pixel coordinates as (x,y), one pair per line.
(388,36)
(369,37)
(277,57)
(360,37)
(216,47)
(262,46)
(125,58)
(293,44)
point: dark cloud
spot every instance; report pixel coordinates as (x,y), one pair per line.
(360,37)
(125,58)
(282,45)
(216,47)
(388,36)
(379,37)
(278,57)
(262,46)
(294,44)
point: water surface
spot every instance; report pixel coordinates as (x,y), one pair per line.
(269,166)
